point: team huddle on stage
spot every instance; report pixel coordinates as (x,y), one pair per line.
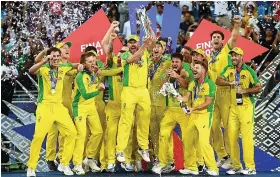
(137,122)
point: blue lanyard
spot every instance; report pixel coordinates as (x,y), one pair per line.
(153,70)
(93,76)
(196,90)
(53,74)
(215,54)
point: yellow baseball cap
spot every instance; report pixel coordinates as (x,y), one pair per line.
(94,53)
(237,50)
(133,37)
(198,50)
(61,44)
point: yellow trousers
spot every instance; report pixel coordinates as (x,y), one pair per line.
(157,114)
(113,114)
(87,115)
(53,136)
(220,116)
(241,120)
(46,116)
(100,106)
(198,127)
(131,97)
(172,116)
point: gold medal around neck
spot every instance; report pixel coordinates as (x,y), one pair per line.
(53,91)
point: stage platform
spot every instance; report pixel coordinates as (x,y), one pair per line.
(146,174)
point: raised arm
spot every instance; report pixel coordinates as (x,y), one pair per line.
(235,32)
(34,69)
(133,58)
(105,41)
(41,55)
(109,52)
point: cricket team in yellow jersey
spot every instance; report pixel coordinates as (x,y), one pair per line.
(136,124)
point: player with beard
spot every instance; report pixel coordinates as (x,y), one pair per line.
(50,110)
(201,93)
(85,114)
(173,114)
(67,93)
(198,55)
(243,82)
(135,93)
(157,67)
(219,59)
(113,108)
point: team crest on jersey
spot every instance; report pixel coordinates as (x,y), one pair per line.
(231,74)
(243,77)
(60,72)
(124,105)
(38,118)
(80,118)
(202,89)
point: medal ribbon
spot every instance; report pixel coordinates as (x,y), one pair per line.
(93,76)
(54,75)
(215,54)
(153,70)
(196,90)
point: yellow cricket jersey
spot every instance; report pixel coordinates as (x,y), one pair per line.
(114,82)
(248,79)
(199,93)
(67,86)
(105,72)
(44,83)
(85,91)
(133,74)
(156,70)
(219,62)
(170,100)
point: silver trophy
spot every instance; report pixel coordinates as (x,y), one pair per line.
(143,18)
(169,88)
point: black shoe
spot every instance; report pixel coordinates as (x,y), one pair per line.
(57,161)
(201,168)
(52,165)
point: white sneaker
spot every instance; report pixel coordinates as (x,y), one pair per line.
(120,157)
(138,166)
(30,173)
(85,165)
(78,169)
(111,168)
(60,168)
(188,172)
(157,169)
(67,170)
(144,154)
(127,167)
(224,163)
(92,163)
(234,171)
(248,171)
(212,173)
